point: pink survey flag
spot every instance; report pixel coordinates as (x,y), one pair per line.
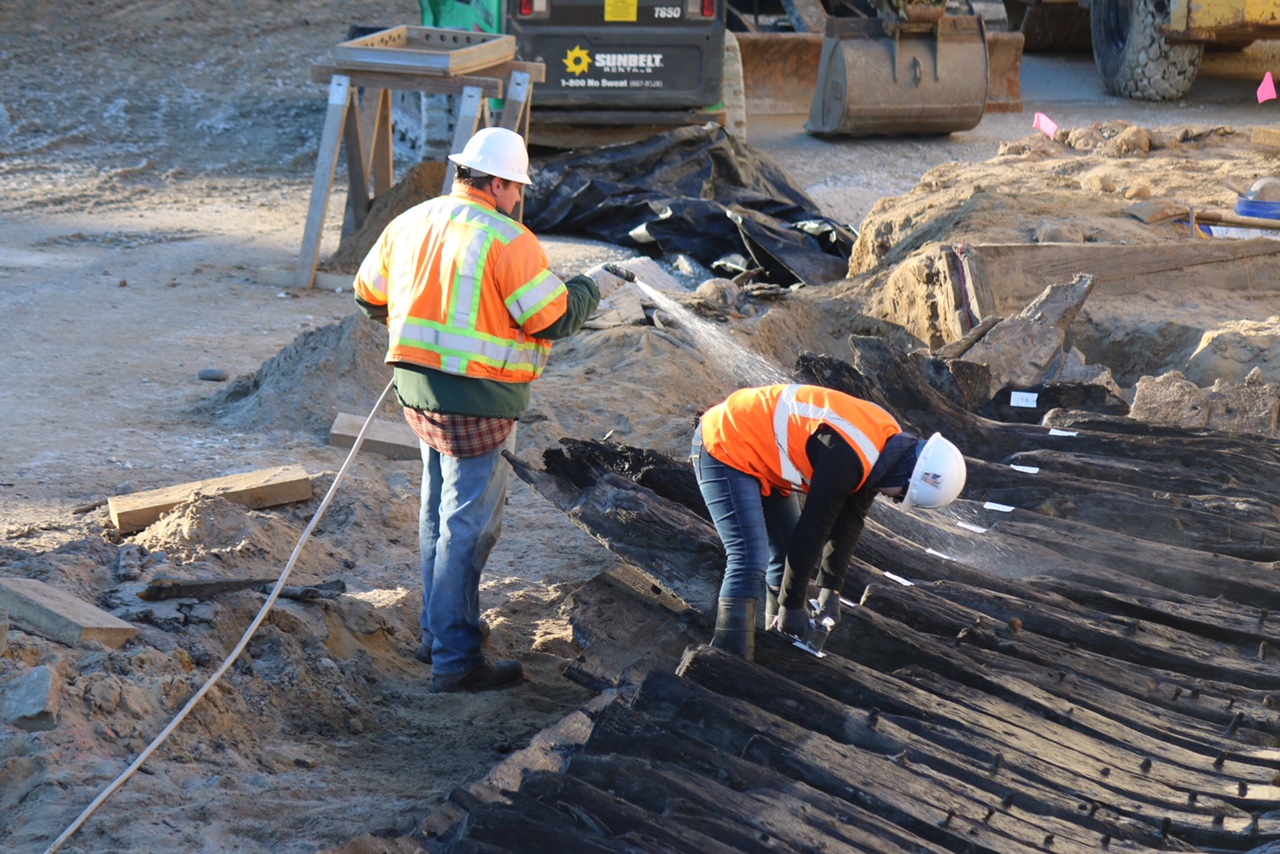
(1267,90)
(1045,125)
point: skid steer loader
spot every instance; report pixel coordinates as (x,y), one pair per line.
(620,69)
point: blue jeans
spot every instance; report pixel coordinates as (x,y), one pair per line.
(755,529)
(458,525)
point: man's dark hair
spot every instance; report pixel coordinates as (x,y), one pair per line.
(473,179)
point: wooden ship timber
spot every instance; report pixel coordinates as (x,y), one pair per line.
(1079,655)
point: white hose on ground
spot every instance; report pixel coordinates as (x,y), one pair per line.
(244,640)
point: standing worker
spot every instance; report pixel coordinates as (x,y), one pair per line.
(754,451)
(471,310)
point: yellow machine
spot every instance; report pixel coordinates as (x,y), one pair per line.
(1151,49)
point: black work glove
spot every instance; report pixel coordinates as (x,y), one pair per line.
(828,607)
(795,622)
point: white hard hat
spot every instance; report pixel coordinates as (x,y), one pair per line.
(938,477)
(496,151)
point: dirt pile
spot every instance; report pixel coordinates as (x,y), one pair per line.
(336,368)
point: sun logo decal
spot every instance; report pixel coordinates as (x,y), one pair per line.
(576,61)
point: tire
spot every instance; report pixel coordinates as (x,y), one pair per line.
(733,95)
(1134,59)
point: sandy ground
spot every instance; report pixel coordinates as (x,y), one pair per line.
(155,157)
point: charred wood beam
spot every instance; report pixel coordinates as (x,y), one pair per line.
(583,462)
(968,728)
(882,375)
(940,809)
(1021,544)
(1122,639)
(899,623)
(622,732)
(1231,622)
(678,550)
(1244,529)
(757,819)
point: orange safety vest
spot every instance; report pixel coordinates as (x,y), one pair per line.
(762,431)
(466,289)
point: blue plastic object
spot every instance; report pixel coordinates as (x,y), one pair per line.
(1258,208)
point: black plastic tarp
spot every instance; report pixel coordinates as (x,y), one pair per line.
(694,190)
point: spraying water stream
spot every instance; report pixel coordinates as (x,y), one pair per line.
(748,367)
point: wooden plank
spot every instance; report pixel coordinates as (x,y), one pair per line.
(322,183)
(426,50)
(472,111)
(394,439)
(255,489)
(60,616)
(491,86)
(357,174)
(1017,273)
(515,118)
(1266,136)
(380,154)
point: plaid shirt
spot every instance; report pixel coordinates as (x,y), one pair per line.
(459,435)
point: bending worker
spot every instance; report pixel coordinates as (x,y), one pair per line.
(754,451)
(472,310)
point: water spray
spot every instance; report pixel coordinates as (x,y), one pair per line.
(747,366)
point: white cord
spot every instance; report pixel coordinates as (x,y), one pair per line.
(244,641)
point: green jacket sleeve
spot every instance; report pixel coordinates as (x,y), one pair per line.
(584,296)
(373,312)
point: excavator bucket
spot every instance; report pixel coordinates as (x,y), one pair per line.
(779,71)
(884,76)
(1004,72)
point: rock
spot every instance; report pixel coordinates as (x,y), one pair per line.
(104,694)
(1098,183)
(1028,349)
(1131,140)
(31,700)
(129,562)
(1058,232)
(215,375)
(720,292)
(1172,399)
(1234,350)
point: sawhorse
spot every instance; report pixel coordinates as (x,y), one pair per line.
(359,116)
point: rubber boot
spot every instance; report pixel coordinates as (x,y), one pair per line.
(736,627)
(770,606)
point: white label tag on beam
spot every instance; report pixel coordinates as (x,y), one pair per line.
(1026,469)
(1023,398)
(939,554)
(1054,431)
(1003,508)
(899,579)
(969,527)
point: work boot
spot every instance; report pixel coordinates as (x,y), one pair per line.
(736,627)
(502,673)
(424,649)
(771,607)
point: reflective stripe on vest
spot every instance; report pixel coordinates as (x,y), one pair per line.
(457,342)
(787,407)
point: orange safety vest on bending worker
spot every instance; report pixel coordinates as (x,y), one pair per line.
(762,431)
(467,289)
